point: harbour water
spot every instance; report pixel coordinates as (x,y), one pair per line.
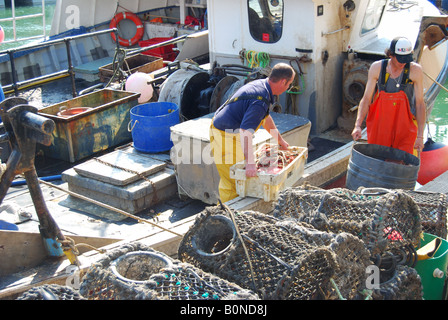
(25,28)
(437,127)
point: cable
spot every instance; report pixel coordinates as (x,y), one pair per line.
(242,242)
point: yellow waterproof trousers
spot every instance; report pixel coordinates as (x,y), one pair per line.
(227,151)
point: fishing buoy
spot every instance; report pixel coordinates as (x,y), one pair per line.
(140,82)
(433,161)
(2,34)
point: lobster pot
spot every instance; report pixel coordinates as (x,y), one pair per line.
(384,222)
(387,223)
(272,262)
(402,283)
(51,291)
(351,255)
(433,208)
(136,272)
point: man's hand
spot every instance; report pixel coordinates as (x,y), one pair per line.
(283,144)
(251,170)
(357,133)
(419,144)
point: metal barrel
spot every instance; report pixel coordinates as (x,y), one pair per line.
(374,165)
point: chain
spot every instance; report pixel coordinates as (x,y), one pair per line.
(155,198)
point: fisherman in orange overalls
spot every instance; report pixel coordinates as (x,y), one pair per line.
(396,117)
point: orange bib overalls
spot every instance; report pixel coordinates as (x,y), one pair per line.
(390,121)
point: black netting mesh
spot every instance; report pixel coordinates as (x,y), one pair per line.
(289,259)
(403,283)
(385,222)
(136,272)
(390,223)
(51,292)
(317,244)
(433,208)
(274,263)
(352,257)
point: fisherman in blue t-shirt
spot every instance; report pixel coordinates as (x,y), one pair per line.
(236,121)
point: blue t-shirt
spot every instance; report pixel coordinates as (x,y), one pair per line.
(245,114)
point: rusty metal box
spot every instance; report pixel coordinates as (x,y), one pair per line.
(103,125)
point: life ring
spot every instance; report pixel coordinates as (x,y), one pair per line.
(138,23)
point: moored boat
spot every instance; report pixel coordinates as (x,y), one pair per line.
(333,48)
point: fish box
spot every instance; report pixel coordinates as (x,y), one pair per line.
(138,63)
(102,125)
(269,182)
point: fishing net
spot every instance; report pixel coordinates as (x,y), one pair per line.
(51,292)
(136,272)
(247,248)
(385,222)
(433,210)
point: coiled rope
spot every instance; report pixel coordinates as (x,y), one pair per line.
(257,59)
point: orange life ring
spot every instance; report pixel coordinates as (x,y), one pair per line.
(138,23)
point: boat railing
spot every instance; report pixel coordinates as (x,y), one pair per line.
(14,18)
(16,84)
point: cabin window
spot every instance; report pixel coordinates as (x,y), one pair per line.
(372,18)
(265,20)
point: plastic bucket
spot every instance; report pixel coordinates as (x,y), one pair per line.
(433,281)
(150,126)
(372,165)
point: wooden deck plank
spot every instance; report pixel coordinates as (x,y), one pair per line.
(439,184)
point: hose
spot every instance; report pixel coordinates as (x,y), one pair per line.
(49,178)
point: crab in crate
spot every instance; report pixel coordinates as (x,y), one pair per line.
(272,160)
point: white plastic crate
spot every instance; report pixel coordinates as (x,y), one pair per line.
(267,186)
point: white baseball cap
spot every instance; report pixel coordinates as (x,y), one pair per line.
(401,47)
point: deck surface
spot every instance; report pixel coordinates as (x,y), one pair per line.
(439,184)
